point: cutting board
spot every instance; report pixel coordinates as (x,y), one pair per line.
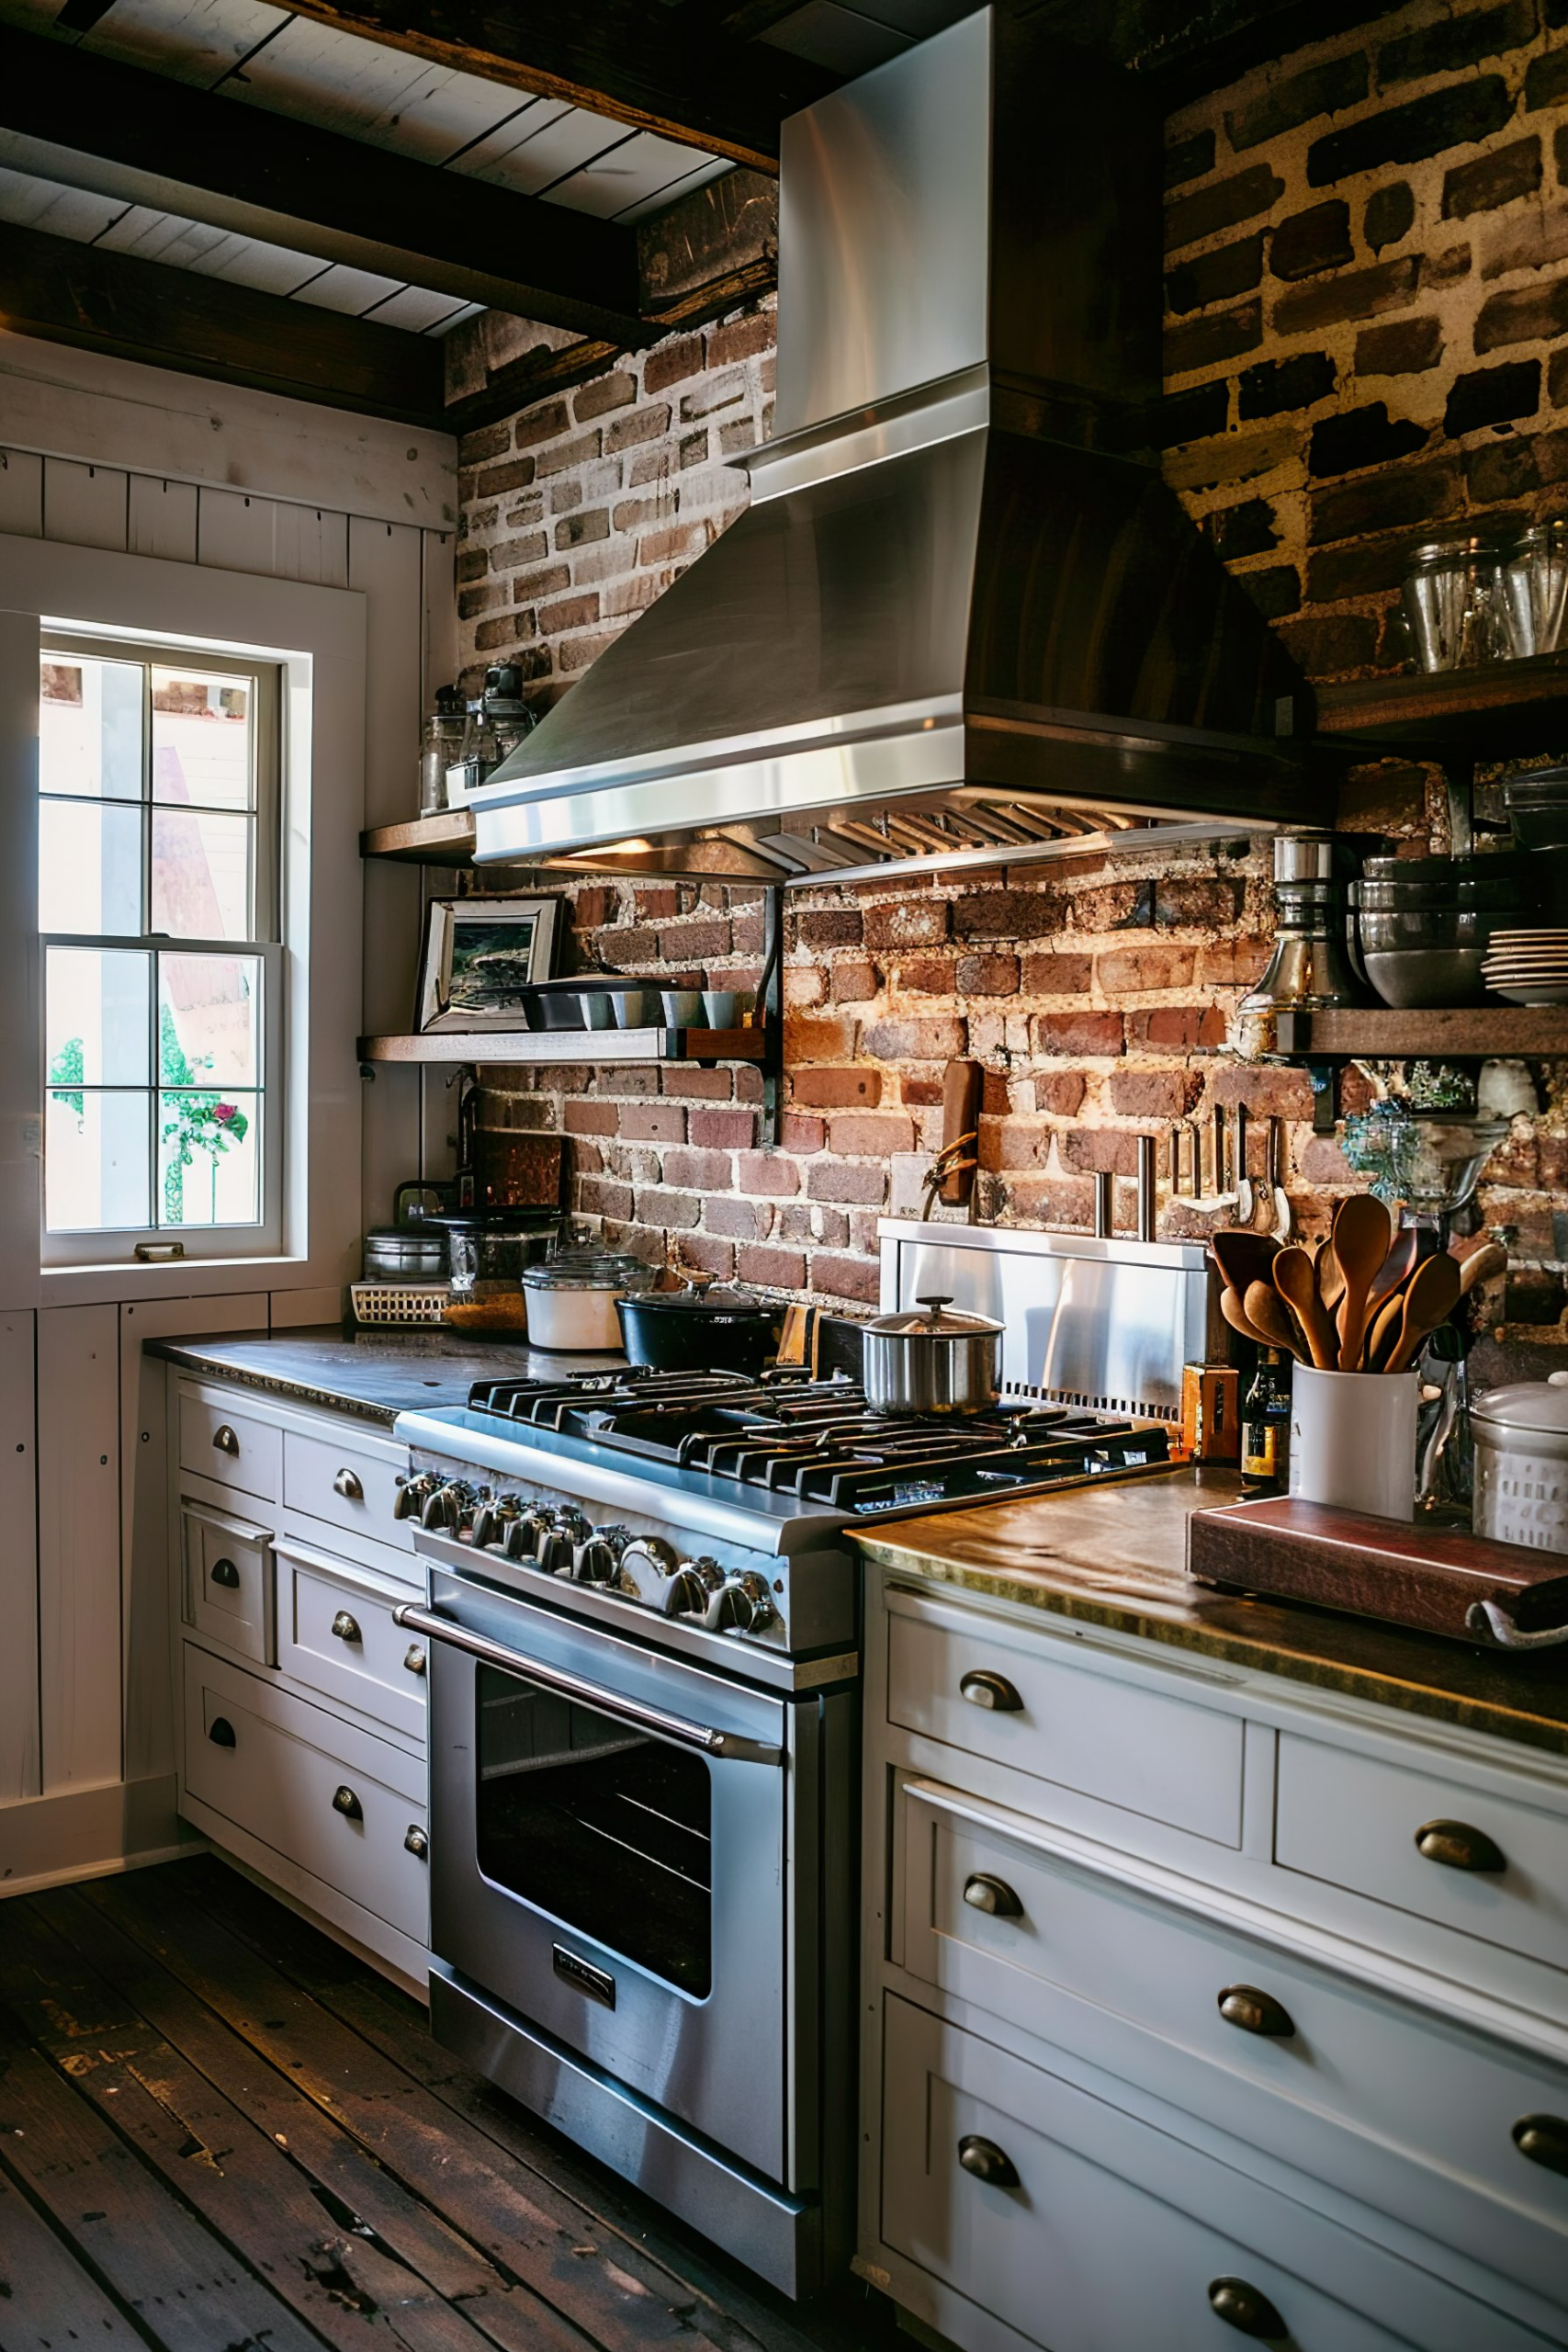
(1468,1586)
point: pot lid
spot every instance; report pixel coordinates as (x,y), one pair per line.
(614,1270)
(1533,1408)
(712,1301)
(932,1321)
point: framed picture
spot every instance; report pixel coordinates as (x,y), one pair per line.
(480,956)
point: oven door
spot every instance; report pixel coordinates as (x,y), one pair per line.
(613,1857)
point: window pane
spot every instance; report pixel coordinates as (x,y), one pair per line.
(208,1015)
(201,739)
(96,1160)
(90,867)
(201,875)
(90,727)
(209,1158)
(97,1024)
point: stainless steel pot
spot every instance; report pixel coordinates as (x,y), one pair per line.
(931,1362)
(396,1253)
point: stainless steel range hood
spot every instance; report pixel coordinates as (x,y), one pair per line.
(963,619)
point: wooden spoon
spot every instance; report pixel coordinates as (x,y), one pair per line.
(1481,1265)
(1244,1258)
(1235,1314)
(1330,1278)
(1266,1312)
(1296,1282)
(1404,1256)
(1430,1296)
(1383,1332)
(1362,1231)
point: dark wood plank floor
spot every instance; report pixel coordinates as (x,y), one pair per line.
(220,2132)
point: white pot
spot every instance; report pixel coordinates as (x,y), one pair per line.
(1353,1440)
(1521,1463)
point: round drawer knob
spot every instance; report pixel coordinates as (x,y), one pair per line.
(413,1658)
(993,1690)
(220,1731)
(417,1843)
(1245,2308)
(1459,1847)
(1256,2012)
(346,1485)
(348,1804)
(1544,2140)
(225,1573)
(986,2162)
(224,1439)
(984,1892)
(346,1628)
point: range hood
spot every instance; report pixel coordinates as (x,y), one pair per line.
(963,619)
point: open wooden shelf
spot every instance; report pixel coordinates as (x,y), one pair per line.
(1500,711)
(1460,1032)
(570,1046)
(446,839)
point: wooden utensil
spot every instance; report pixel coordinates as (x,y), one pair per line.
(1382,1331)
(1235,1314)
(1330,1278)
(1244,1256)
(1430,1296)
(1266,1312)
(1296,1282)
(1362,1231)
(962,1083)
(1481,1265)
(1403,1253)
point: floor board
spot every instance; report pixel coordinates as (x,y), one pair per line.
(219,2130)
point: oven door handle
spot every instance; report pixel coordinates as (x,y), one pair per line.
(729,1744)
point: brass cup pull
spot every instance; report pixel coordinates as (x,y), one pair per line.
(220,1731)
(994,1690)
(225,1573)
(348,1804)
(1245,2308)
(346,1628)
(984,1892)
(417,1843)
(1459,1847)
(1256,2012)
(346,1485)
(1544,2140)
(986,2162)
(225,1441)
(413,1658)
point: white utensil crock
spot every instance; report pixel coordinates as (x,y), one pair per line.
(1353,1440)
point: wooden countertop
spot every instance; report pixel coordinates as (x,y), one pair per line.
(1118,1559)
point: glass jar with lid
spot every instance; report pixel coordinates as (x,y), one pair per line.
(440,742)
(572,1297)
(1455,603)
(1535,580)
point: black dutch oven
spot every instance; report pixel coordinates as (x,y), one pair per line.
(707,1330)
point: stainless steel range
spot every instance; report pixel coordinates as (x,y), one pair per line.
(643,1621)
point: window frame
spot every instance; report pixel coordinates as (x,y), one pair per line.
(155,1243)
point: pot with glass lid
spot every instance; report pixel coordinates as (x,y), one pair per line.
(572,1298)
(931,1359)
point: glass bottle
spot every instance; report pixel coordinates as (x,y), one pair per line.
(1266,1427)
(440,741)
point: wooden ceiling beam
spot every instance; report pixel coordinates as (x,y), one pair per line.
(65,292)
(638,63)
(90,122)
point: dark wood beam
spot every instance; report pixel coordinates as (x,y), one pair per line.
(638,65)
(90,122)
(172,318)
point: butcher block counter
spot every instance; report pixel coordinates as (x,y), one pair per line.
(1116,1557)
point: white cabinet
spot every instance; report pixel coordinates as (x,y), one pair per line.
(303,1750)
(1168,1942)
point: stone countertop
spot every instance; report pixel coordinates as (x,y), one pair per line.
(1117,1559)
(375,1374)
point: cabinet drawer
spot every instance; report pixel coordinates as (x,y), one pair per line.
(1171,1759)
(1353,1821)
(348,1484)
(1407,2112)
(217,1441)
(229,1582)
(1111,2235)
(338,1803)
(336,1635)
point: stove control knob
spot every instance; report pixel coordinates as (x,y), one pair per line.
(573,1523)
(414,1494)
(443,1507)
(597,1560)
(743,1604)
(525,1534)
(692,1587)
(482,1527)
(647,1563)
(552,1554)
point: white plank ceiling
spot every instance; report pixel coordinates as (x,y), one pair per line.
(262,56)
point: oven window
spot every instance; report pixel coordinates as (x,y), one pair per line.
(605,1829)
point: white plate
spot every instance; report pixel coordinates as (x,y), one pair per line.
(1558,995)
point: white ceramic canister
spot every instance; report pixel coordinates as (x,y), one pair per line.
(1353,1440)
(1521,1463)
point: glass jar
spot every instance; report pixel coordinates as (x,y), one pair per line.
(1455,603)
(496,724)
(440,742)
(1535,580)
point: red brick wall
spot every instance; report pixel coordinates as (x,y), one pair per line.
(1368,333)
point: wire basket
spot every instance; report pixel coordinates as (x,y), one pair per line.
(402,1302)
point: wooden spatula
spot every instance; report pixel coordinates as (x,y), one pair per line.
(1296,1282)
(1362,1231)
(1244,1256)
(1266,1312)
(1430,1296)
(1235,1314)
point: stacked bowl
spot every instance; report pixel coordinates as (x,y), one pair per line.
(1420,927)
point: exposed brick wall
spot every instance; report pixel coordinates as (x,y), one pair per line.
(1352,233)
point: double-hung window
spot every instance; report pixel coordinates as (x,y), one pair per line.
(158,894)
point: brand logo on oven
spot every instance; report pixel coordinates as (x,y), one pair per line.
(584,1975)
